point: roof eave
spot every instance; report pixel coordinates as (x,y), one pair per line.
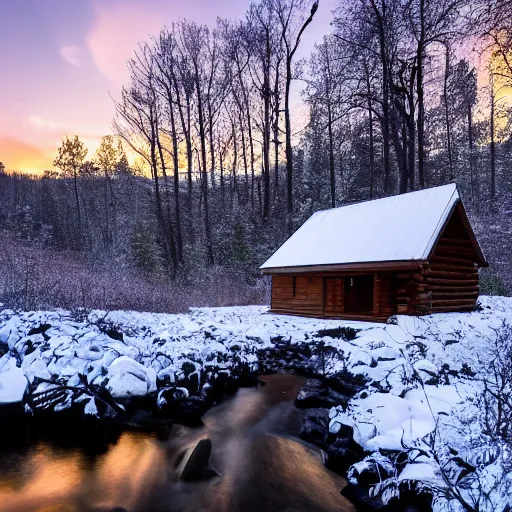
(345,267)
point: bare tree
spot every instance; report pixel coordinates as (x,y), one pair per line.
(294,19)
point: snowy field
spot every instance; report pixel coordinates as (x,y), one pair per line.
(425,397)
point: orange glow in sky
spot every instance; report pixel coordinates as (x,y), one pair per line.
(61,63)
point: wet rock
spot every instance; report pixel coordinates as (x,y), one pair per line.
(317,452)
(346,383)
(315,425)
(189,412)
(316,394)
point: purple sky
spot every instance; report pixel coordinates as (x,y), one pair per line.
(60,60)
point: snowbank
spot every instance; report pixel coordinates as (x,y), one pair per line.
(421,372)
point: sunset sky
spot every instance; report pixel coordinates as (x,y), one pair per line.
(60,60)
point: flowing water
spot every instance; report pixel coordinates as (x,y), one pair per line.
(246,458)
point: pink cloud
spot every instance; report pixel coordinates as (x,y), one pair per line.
(115,34)
(72,55)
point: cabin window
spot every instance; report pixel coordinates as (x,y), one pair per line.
(358,291)
(294,286)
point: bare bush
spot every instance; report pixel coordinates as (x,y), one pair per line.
(35,277)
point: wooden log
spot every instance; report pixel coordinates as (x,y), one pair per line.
(456,275)
(450,302)
(452,293)
(412,277)
(452,282)
(457,251)
(451,260)
(442,288)
(455,241)
(441,309)
(470,269)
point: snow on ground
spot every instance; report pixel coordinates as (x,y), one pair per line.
(422,371)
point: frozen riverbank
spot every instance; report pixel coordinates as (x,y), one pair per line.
(422,377)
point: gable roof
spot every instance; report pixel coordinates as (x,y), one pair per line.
(392,229)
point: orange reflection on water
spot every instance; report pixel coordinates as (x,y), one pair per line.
(47,479)
(130,469)
(50,480)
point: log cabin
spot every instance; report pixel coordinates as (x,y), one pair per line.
(411,254)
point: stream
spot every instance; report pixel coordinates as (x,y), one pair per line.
(247,457)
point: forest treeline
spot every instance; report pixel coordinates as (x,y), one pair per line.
(400,95)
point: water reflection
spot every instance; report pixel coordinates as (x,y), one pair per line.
(254,449)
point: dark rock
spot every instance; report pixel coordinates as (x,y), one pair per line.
(315,425)
(372,474)
(344,333)
(342,454)
(316,394)
(40,330)
(345,432)
(189,412)
(362,501)
(414,498)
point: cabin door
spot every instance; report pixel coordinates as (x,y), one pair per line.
(333,296)
(358,294)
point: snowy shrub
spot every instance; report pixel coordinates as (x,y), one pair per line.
(496,398)
(492,284)
(465,463)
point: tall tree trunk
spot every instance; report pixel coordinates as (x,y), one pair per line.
(386,119)
(190,156)
(251,152)
(175,160)
(221,164)
(235,161)
(447,113)
(370,122)
(331,155)
(493,142)
(244,158)
(399,142)
(276,130)
(158,200)
(288,137)
(266,126)
(411,152)
(291,49)
(471,152)
(185,126)
(372,143)
(212,145)
(204,171)
(421,97)
(168,224)
(77,200)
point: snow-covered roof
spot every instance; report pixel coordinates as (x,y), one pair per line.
(397,228)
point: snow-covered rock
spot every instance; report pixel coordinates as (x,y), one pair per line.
(13,382)
(127,377)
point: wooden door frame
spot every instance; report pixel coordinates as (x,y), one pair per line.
(324,294)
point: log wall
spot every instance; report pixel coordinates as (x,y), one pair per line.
(307,299)
(322,295)
(451,274)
